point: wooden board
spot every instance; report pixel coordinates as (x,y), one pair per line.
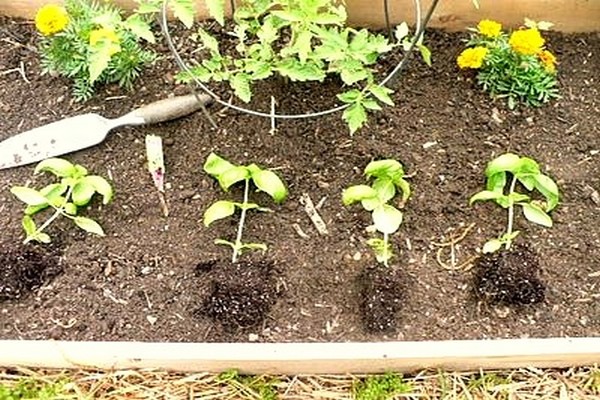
(304,358)
(567,15)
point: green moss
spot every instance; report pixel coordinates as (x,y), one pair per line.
(31,389)
(380,387)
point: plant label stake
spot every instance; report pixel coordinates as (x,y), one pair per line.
(156,166)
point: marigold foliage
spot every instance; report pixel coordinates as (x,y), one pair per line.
(472,57)
(51,19)
(489,28)
(514,66)
(526,41)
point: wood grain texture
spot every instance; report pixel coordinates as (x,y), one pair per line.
(305,358)
(567,15)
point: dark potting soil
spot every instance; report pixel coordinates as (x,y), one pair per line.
(151,278)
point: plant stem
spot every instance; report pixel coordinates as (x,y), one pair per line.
(511,212)
(57,211)
(238,238)
(387,256)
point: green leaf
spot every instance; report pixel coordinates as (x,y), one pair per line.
(303,45)
(351,96)
(216,9)
(385,188)
(253,246)
(183,11)
(89,225)
(140,28)
(485,195)
(270,183)
(218,210)
(425,54)
(404,187)
(401,31)
(82,193)
(240,83)
(391,169)
(357,193)
(549,189)
(496,182)
(101,186)
(387,218)
(99,58)
(506,162)
(371,104)
(57,166)
(29,196)
(491,246)
(355,116)
(216,165)
(209,42)
(70,209)
(300,72)
(42,238)
(382,94)
(28,225)
(536,215)
(288,15)
(233,176)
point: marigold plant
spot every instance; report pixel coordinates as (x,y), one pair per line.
(515,66)
(92,44)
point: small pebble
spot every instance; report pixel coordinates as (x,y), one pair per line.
(253,337)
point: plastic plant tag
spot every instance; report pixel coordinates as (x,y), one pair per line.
(156,167)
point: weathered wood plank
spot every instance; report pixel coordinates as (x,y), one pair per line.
(567,15)
(305,358)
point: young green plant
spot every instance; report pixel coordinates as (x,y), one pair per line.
(228,174)
(74,190)
(299,41)
(89,42)
(388,178)
(526,172)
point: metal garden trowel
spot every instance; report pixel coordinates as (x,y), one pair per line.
(82,131)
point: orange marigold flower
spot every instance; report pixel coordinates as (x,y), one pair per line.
(526,41)
(472,57)
(548,60)
(51,19)
(489,28)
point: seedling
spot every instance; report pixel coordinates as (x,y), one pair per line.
(227,175)
(525,171)
(74,190)
(156,166)
(389,177)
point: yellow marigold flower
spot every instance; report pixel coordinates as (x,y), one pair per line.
(472,57)
(489,28)
(106,35)
(526,41)
(548,60)
(51,19)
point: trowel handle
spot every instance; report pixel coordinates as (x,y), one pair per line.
(165,110)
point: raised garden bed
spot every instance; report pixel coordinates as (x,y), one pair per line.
(149,278)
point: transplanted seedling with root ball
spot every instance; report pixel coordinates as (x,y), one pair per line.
(511,276)
(228,174)
(380,287)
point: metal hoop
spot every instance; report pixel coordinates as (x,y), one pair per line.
(420,29)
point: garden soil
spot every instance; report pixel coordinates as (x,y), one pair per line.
(156,278)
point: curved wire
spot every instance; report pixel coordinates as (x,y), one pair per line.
(183,66)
